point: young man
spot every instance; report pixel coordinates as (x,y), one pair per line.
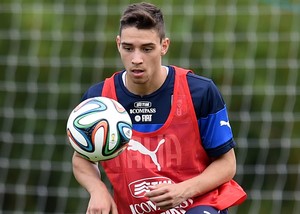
(180,158)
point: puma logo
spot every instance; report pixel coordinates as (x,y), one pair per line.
(225,123)
(137,146)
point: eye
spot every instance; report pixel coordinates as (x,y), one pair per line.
(147,49)
(127,48)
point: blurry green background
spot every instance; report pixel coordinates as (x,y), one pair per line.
(51,51)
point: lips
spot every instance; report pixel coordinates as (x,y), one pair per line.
(137,72)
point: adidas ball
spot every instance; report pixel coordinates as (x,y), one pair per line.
(99,129)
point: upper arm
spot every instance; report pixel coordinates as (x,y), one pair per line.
(212,116)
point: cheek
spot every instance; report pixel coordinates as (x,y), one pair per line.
(126,60)
(156,58)
(124,57)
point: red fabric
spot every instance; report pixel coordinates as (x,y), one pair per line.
(169,155)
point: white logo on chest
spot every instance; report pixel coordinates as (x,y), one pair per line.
(137,146)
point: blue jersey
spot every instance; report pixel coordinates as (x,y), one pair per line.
(148,113)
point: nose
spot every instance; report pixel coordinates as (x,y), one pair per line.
(137,58)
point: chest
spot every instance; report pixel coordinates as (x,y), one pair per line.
(152,109)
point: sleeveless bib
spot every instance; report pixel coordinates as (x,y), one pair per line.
(170,154)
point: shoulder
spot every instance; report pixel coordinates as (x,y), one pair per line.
(205,86)
(93,91)
(195,80)
(205,94)
(201,82)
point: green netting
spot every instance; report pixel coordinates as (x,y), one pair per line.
(52,50)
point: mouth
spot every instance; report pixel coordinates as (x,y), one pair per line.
(137,72)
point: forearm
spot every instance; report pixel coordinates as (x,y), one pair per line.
(217,173)
(87,173)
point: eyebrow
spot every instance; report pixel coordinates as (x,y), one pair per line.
(146,44)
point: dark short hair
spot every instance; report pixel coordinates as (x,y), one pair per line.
(143,16)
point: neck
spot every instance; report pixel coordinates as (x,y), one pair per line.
(148,87)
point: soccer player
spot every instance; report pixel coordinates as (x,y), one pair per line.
(181,156)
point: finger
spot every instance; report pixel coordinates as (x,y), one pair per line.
(114,209)
(156,192)
(152,187)
(164,205)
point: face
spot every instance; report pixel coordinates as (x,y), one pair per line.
(141,52)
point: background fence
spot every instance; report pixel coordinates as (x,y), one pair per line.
(52,50)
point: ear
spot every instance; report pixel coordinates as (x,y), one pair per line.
(118,41)
(165,46)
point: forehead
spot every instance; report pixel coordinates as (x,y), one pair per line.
(132,35)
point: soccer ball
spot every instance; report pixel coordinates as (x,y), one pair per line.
(99,128)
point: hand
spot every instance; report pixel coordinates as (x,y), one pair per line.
(101,203)
(166,196)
